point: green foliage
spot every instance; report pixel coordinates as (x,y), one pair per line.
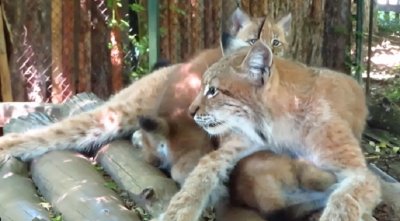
(393,91)
(178,10)
(57,218)
(388,23)
(111,185)
(138,44)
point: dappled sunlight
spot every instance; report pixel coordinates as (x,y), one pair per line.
(73,189)
(386,54)
(9,174)
(34,79)
(178,112)
(190,80)
(116,52)
(385,61)
(101,199)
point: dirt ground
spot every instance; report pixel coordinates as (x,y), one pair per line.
(385,75)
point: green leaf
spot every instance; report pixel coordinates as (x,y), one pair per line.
(137,7)
(111,185)
(57,218)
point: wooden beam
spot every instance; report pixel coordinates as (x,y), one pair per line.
(388,8)
(5,78)
(84,47)
(153,11)
(56,51)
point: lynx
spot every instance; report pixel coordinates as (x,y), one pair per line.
(264,181)
(255,101)
(167,140)
(170,89)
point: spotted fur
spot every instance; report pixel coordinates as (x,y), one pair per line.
(255,101)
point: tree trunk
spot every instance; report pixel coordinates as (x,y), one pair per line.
(337,34)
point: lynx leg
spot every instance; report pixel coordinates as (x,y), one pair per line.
(358,191)
(207,176)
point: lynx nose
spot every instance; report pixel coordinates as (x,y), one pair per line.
(193,110)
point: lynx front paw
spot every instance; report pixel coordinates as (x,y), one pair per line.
(343,208)
(183,207)
(137,139)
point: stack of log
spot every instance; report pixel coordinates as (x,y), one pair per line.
(73,186)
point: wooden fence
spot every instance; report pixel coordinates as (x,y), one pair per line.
(56,48)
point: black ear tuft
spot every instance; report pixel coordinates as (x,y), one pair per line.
(225,39)
(148,124)
(230,44)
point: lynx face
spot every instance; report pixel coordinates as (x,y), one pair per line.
(273,32)
(228,98)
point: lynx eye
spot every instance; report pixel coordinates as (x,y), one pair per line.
(252,41)
(210,91)
(276,43)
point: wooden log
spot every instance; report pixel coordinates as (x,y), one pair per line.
(18,198)
(391,197)
(147,185)
(76,190)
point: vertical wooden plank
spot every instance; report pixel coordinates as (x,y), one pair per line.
(116,53)
(101,63)
(187,24)
(207,24)
(56,53)
(68,47)
(175,32)
(154,32)
(165,37)
(217,16)
(197,33)
(84,65)
(10,10)
(5,79)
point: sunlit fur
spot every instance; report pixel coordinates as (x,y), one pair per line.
(169,90)
(273,183)
(186,136)
(314,114)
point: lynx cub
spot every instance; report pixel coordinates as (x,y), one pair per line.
(263,181)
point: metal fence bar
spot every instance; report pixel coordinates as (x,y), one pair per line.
(359,38)
(154,32)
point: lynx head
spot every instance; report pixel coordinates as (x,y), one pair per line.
(231,89)
(249,30)
(153,138)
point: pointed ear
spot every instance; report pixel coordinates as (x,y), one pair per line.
(238,19)
(258,63)
(230,44)
(153,124)
(286,23)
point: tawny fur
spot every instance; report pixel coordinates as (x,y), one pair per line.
(272,183)
(169,89)
(259,102)
(263,181)
(185,141)
(174,146)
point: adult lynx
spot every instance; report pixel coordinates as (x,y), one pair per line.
(254,102)
(170,89)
